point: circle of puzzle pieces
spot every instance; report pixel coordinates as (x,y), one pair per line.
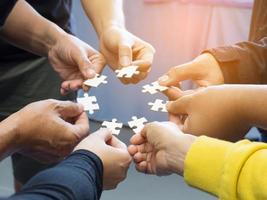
(158,105)
(113,126)
(137,124)
(89,103)
(127,72)
(96,81)
(154,88)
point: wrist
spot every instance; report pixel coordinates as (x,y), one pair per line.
(177,159)
(110,25)
(53,34)
(210,68)
(253,109)
(9,136)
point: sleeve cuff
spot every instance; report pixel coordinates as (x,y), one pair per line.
(204,163)
(224,54)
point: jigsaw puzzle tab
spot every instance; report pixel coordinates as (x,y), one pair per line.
(127,72)
(96,81)
(158,105)
(113,126)
(137,124)
(154,88)
(89,103)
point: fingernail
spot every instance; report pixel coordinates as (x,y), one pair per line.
(125,61)
(164,78)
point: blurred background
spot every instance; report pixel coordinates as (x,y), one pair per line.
(179,30)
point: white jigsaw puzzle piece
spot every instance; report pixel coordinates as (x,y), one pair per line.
(96,81)
(113,126)
(89,103)
(137,123)
(153,88)
(158,105)
(127,72)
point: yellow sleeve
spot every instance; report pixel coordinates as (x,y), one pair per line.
(231,171)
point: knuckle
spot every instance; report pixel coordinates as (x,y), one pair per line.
(51,101)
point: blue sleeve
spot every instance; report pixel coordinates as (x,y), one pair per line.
(5,8)
(78,177)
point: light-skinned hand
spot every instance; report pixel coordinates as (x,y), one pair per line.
(112,152)
(122,49)
(49,130)
(214,111)
(204,70)
(160,148)
(75,61)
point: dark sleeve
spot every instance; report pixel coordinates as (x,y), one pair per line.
(79,177)
(5,8)
(244,62)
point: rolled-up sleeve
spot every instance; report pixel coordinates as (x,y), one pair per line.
(244,62)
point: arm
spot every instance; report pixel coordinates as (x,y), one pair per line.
(225,111)
(77,177)
(74,60)
(120,47)
(244,62)
(104,14)
(228,170)
(36,34)
(235,173)
(65,125)
(83,174)
(7,137)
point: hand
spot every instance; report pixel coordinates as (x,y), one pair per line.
(122,49)
(75,61)
(204,70)
(160,148)
(214,111)
(112,152)
(49,130)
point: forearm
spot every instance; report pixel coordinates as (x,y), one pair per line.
(104,14)
(227,170)
(7,137)
(27,29)
(77,177)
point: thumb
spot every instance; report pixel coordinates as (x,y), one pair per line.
(115,142)
(125,54)
(173,93)
(177,74)
(81,126)
(180,106)
(104,134)
(69,109)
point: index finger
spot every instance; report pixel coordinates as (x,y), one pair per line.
(177,74)
(115,142)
